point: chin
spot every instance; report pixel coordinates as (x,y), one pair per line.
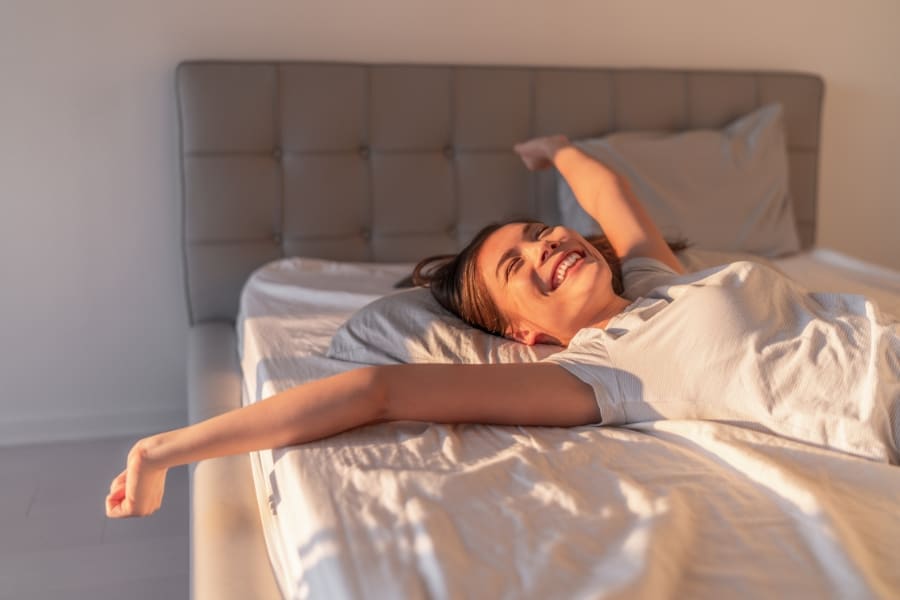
(595,277)
(592,289)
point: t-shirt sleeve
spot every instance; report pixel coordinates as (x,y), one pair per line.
(642,274)
(587,359)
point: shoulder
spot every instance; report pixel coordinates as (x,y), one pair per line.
(587,359)
(642,273)
(588,348)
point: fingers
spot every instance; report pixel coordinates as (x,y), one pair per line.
(138,490)
(112,506)
(116,497)
(117,487)
(118,481)
(116,506)
(122,502)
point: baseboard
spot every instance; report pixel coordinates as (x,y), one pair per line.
(15,431)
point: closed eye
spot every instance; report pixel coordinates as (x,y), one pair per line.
(512,266)
(538,230)
(533,231)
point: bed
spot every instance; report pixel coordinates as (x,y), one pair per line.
(308,189)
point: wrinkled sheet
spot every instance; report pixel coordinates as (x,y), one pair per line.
(663,509)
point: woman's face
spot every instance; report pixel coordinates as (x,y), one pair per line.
(548,282)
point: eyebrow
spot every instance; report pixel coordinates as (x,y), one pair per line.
(526,231)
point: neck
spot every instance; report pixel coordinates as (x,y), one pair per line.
(614,307)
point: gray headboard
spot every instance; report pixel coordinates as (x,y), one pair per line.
(369,162)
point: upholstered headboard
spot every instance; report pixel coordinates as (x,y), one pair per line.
(368,162)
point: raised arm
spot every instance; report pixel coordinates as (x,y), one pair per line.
(514,394)
(605,195)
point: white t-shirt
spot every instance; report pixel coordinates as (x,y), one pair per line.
(743,343)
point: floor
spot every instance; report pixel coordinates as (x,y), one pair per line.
(56,542)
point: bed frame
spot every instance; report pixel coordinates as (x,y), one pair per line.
(366,162)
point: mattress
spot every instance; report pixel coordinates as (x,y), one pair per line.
(663,509)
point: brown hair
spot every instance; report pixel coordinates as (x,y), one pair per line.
(456,284)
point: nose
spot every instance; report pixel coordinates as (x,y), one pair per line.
(542,249)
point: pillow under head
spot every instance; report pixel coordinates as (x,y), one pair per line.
(412,327)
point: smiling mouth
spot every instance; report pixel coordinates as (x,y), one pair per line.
(562,269)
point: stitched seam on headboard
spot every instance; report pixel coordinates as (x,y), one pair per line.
(613,102)
(756,95)
(453,155)
(368,101)
(815,184)
(279,155)
(234,153)
(533,190)
(184,248)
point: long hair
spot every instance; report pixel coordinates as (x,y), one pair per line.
(455,283)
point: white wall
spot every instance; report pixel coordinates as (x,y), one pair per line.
(93,319)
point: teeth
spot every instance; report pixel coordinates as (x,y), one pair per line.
(560,275)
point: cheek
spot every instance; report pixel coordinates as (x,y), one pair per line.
(601,269)
(594,281)
(518,296)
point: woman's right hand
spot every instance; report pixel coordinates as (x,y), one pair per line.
(538,153)
(138,490)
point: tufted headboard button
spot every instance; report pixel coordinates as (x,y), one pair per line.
(364,152)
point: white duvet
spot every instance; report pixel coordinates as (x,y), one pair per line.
(666,509)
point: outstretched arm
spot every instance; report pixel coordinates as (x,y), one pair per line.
(512,394)
(605,195)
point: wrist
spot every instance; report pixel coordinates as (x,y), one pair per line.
(555,144)
(151,451)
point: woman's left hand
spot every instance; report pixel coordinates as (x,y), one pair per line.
(138,490)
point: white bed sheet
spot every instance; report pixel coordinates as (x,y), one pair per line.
(664,509)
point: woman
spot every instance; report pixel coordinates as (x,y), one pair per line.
(690,346)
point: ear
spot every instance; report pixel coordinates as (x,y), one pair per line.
(524,336)
(543,338)
(530,337)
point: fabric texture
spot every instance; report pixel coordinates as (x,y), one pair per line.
(720,190)
(822,368)
(411,327)
(663,509)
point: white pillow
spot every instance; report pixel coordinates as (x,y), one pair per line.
(411,327)
(720,190)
